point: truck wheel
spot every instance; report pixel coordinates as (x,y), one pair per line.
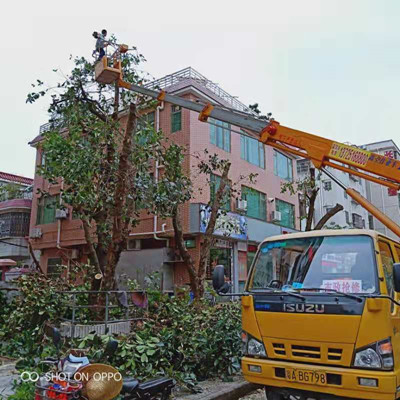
(273,395)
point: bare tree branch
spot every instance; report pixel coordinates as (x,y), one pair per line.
(328,216)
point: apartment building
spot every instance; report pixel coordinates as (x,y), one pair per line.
(15,210)
(385,199)
(330,194)
(265,211)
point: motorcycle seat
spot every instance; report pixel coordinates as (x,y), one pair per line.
(78,360)
(129,385)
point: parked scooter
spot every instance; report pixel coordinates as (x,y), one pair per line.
(74,377)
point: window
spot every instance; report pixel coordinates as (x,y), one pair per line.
(42,158)
(398,252)
(176,118)
(256,203)
(346,213)
(54,267)
(220,134)
(14,224)
(252,151)
(327,185)
(370,221)
(341,263)
(357,221)
(303,167)
(387,264)
(287,213)
(283,166)
(46,212)
(215,181)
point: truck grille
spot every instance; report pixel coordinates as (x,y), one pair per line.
(312,352)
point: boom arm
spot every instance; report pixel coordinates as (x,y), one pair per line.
(322,152)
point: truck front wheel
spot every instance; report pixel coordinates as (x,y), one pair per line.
(273,395)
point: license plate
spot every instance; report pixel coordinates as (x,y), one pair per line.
(304,376)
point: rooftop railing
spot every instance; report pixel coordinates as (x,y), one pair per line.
(190,73)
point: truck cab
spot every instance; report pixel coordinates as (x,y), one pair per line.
(321,317)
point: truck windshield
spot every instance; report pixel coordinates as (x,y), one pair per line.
(342,263)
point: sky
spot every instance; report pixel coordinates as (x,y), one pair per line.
(330,68)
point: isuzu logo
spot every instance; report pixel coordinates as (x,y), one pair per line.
(304,308)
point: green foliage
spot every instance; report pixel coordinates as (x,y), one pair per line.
(188,342)
(23,391)
(174,337)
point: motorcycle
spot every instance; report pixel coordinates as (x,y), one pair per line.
(74,377)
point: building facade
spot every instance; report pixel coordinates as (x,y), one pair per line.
(265,211)
(385,199)
(15,210)
(330,194)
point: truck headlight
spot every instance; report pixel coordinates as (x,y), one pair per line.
(378,355)
(252,346)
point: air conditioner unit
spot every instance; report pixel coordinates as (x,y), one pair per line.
(35,233)
(134,244)
(241,205)
(276,216)
(62,213)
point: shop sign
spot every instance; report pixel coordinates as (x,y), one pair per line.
(228,224)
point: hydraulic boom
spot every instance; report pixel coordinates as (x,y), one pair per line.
(322,152)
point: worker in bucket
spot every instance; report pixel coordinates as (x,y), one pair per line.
(101,44)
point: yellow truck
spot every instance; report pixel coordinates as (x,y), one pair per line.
(321,318)
(320,309)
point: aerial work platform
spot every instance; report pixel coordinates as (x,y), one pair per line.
(106,73)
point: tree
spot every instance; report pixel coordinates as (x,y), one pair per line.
(176,189)
(102,160)
(308,191)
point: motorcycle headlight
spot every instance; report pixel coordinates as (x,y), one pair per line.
(252,346)
(378,355)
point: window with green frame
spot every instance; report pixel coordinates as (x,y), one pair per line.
(256,203)
(252,151)
(220,134)
(283,166)
(215,181)
(46,212)
(176,118)
(287,213)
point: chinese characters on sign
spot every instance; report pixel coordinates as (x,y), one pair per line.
(343,285)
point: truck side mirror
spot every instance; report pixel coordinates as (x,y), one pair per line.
(218,277)
(396,277)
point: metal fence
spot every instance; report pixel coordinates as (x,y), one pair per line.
(113,311)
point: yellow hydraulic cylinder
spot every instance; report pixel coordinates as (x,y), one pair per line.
(379,215)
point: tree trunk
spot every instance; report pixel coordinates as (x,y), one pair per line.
(208,236)
(311,208)
(311,199)
(121,192)
(184,253)
(328,216)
